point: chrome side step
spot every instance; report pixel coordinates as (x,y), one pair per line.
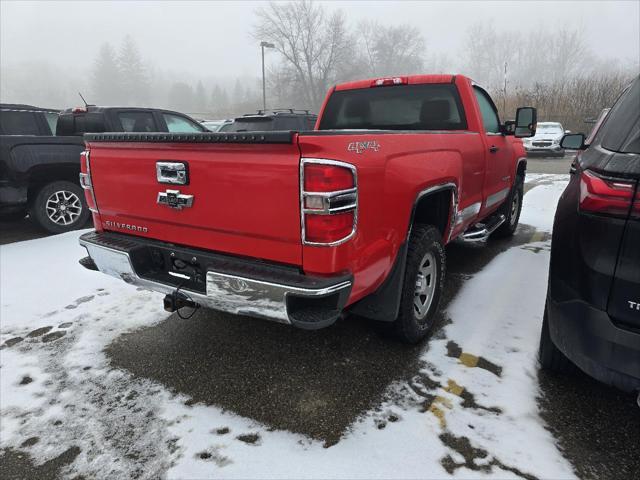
(481,231)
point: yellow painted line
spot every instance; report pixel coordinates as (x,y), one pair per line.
(537,237)
(453,387)
(439,414)
(468,360)
(443,401)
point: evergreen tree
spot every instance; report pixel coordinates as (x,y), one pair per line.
(135,84)
(105,78)
(200,99)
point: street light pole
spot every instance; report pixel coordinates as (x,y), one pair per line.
(264,45)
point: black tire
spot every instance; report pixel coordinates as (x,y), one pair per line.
(550,356)
(425,245)
(511,210)
(68,216)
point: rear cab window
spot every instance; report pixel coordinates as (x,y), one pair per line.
(18,123)
(402,107)
(179,124)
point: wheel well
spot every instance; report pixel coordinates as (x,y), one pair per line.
(434,209)
(45,175)
(522,168)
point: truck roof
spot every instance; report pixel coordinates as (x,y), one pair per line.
(407,79)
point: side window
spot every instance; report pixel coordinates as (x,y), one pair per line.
(621,129)
(287,123)
(178,124)
(488,111)
(18,123)
(52,121)
(137,122)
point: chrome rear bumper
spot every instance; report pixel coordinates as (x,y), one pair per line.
(238,294)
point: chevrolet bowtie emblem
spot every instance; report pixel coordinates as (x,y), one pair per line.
(175,199)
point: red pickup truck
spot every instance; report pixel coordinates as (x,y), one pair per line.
(299,227)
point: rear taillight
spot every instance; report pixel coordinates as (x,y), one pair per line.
(605,195)
(86,183)
(329,201)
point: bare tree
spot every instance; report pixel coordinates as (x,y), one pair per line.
(312,41)
(390,50)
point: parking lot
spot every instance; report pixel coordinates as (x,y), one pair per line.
(98,380)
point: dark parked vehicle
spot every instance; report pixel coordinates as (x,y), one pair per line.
(38,170)
(92,119)
(592,313)
(279,119)
(40,156)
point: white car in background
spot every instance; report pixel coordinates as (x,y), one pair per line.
(546,140)
(215,125)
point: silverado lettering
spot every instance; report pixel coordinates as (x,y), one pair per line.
(290,228)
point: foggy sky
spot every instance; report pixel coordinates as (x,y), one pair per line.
(213,38)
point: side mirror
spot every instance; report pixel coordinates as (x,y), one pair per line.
(526,119)
(573,141)
(509,127)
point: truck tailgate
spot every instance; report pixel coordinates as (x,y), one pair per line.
(245,195)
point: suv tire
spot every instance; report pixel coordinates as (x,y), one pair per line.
(550,356)
(423,284)
(60,207)
(511,210)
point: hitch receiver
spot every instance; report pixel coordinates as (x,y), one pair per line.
(175,301)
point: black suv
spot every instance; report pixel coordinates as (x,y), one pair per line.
(40,156)
(592,313)
(92,119)
(279,119)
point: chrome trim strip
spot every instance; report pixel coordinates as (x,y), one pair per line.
(468,212)
(496,197)
(328,211)
(228,293)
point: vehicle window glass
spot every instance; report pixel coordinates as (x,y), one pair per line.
(287,123)
(83,123)
(488,111)
(18,123)
(178,124)
(402,107)
(251,125)
(226,127)
(621,128)
(52,120)
(137,122)
(311,122)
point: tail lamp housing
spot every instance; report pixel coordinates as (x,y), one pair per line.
(608,196)
(86,183)
(328,201)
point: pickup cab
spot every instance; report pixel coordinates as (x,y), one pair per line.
(300,227)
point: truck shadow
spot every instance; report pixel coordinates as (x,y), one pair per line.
(314,383)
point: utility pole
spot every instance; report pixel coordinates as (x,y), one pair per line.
(504,92)
(264,45)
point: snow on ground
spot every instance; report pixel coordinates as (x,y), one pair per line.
(470,411)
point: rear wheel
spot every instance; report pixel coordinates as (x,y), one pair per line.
(60,207)
(550,356)
(511,210)
(423,284)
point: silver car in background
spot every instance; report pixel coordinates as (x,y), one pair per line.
(546,140)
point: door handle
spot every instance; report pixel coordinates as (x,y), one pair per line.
(174,173)
(493,149)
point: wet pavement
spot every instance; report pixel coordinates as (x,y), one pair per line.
(318,383)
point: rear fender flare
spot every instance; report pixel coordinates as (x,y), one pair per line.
(453,206)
